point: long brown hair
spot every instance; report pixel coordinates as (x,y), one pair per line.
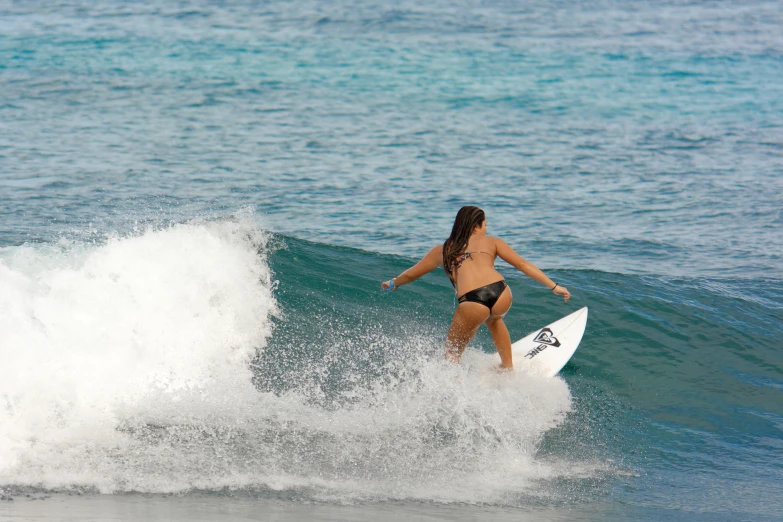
(468,218)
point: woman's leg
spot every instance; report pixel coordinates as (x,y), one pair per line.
(498,330)
(466,321)
(502,340)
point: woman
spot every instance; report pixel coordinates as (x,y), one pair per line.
(468,257)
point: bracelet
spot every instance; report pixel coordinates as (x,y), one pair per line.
(553,288)
(391,284)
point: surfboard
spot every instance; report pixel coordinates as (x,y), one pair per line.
(547,350)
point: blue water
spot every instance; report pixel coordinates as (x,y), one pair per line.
(199,199)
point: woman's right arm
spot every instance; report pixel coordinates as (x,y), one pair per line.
(428,263)
(507,254)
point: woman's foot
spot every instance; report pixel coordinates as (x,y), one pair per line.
(502,369)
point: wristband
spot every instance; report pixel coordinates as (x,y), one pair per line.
(391,285)
(553,288)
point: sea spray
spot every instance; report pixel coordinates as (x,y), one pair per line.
(140,364)
(90,331)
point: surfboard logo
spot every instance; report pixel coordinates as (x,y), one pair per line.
(545,338)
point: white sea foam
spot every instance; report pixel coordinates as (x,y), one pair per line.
(87,331)
(127,366)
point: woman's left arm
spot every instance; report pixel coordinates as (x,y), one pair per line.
(428,263)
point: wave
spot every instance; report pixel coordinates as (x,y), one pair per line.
(191,358)
(212,356)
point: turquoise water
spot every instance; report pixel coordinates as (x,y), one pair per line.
(199,200)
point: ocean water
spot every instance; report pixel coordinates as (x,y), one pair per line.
(198,201)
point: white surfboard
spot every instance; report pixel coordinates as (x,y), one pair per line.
(547,350)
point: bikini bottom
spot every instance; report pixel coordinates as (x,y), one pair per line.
(487,295)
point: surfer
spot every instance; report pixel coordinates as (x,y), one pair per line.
(468,257)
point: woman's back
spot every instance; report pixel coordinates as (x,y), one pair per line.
(476,266)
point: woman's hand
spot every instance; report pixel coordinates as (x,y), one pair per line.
(386,285)
(561,290)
